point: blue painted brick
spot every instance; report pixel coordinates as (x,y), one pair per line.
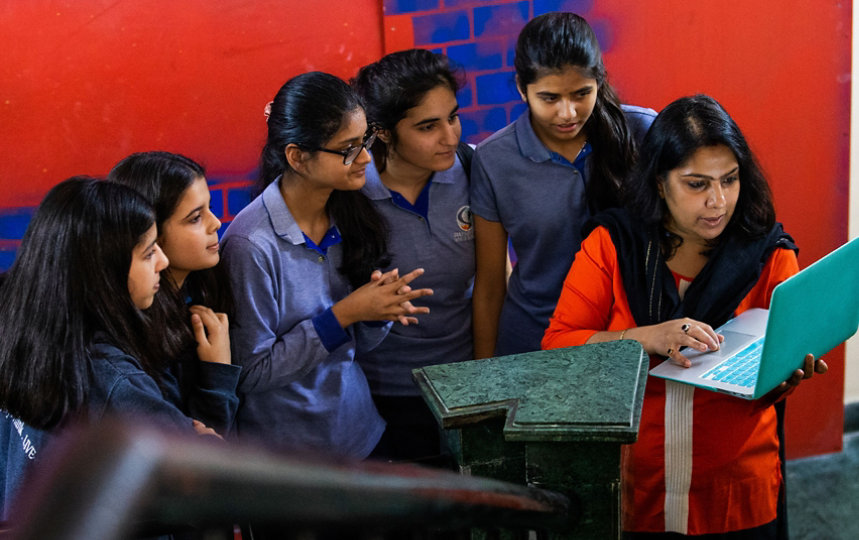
(237,199)
(575,6)
(469,126)
(462,3)
(441,27)
(464,97)
(479,56)
(500,20)
(216,204)
(517,110)
(396,7)
(496,88)
(13,223)
(7,257)
(491,120)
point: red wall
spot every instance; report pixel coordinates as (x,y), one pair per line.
(782,69)
(84,83)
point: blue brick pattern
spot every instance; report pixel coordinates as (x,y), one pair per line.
(491,120)
(398,7)
(470,131)
(467,3)
(441,28)
(238,198)
(500,20)
(463,97)
(480,36)
(216,204)
(496,88)
(7,257)
(478,56)
(517,110)
(576,6)
(13,223)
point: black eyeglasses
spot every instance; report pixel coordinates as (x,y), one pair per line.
(351,153)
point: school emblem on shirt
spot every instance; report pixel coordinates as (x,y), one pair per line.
(463,218)
(465,223)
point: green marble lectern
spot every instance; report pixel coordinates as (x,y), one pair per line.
(549,419)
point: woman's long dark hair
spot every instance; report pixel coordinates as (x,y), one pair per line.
(397,83)
(162,178)
(69,282)
(683,127)
(307,111)
(555,41)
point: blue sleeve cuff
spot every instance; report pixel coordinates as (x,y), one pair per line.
(330,332)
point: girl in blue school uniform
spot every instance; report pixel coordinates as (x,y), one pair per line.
(300,258)
(194,287)
(75,344)
(418,182)
(536,181)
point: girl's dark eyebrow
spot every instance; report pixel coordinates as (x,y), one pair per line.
(705,177)
(435,119)
(192,212)
(351,141)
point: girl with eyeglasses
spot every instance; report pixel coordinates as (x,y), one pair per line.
(420,185)
(300,258)
(536,181)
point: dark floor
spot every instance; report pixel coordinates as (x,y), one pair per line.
(823,493)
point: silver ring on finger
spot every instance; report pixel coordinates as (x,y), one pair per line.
(685,328)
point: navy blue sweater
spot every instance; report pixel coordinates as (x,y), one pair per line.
(119,387)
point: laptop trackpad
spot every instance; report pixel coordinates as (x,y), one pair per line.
(734,343)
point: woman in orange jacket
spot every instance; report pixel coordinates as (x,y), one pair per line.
(697,244)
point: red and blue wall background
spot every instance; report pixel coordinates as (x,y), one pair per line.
(85,82)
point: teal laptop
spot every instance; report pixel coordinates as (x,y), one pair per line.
(811,312)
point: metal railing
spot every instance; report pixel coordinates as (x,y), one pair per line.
(114,481)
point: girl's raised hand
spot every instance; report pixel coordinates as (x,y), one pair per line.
(386,297)
(212,332)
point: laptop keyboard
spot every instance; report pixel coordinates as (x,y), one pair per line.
(741,369)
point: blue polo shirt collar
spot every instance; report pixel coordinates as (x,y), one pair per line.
(282,222)
(533,148)
(375,190)
(530,145)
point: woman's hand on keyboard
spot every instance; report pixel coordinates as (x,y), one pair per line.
(668,338)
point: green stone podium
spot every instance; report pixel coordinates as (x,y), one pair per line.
(549,419)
